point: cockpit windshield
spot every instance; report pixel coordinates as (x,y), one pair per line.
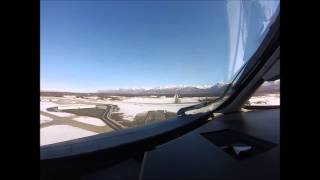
(111,65)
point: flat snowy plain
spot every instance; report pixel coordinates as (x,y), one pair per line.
(269,99)
(45,105)
(128,106)
(60,133)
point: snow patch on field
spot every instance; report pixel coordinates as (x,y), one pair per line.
(90,120)
(45,105)
(75,106)
(60,133)
(270,99)
(130,110)
(160,100)
(44,119)
(131,106)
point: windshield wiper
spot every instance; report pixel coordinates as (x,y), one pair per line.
(204,104)
(197,106)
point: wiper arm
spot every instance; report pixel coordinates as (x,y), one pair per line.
(201,105)
(197,106)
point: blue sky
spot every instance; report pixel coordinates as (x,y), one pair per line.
(96,45)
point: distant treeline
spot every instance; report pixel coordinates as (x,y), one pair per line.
(61,94)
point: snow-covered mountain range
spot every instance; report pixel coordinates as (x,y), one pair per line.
(217,89)
(267,87)
(181,89)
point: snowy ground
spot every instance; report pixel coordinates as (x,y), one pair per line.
(129,106)
(60,133)
(270,99)
(45,105)
(130,110)
(44,119)
(75,106)
(132,106)
(90,120)
(160,100)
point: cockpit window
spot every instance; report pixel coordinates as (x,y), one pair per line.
(111,65)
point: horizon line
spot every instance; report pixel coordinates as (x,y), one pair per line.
(108,89)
